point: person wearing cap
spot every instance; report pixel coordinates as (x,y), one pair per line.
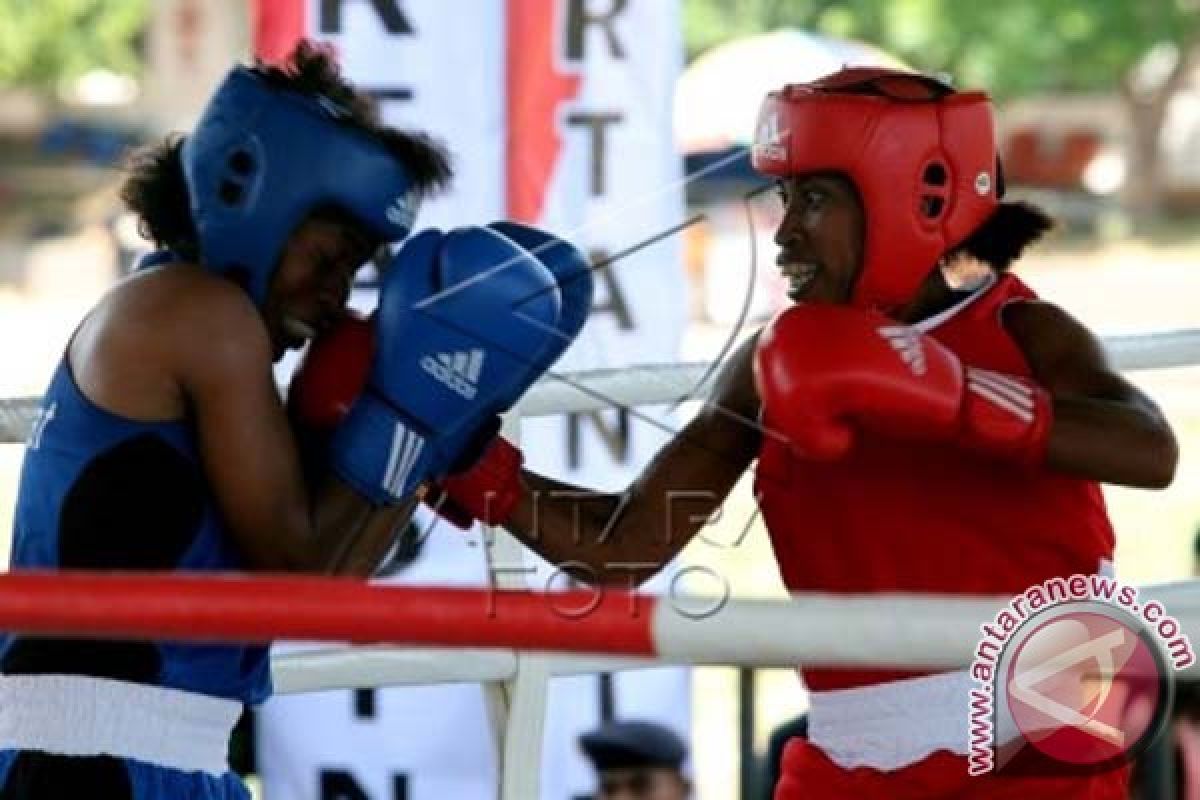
(162,442)
(637,760)
(918,421)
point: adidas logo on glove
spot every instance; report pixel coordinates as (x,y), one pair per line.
(458,371)
(405,451)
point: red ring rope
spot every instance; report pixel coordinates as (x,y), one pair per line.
(261,609)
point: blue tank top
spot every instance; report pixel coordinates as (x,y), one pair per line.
(99,491)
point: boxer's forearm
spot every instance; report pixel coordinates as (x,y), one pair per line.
(1111,441)
(347,534)
(1104,427)
(366,548)
(586,532)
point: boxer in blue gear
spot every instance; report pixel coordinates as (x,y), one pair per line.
(162,443)
(100,491)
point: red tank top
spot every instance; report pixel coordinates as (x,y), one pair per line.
(909,516)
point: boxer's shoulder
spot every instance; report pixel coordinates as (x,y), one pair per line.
(181,312)
(184,291)
(733,390)
(134,352)
(728,422)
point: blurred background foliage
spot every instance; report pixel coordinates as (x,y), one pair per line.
(1143,50)
(1012,47)
(1137,55)
(46,42)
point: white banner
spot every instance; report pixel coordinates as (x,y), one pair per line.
(434,69)
(557,112)
(615,190)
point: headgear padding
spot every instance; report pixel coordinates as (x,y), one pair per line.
(262,158)
(922,156)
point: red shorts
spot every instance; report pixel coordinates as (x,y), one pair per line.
(808,774)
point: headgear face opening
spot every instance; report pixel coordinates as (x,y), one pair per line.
(922,156)
(262,159)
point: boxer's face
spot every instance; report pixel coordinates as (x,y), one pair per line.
(820,238)
(312,283)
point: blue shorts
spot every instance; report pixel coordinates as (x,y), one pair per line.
(30,775)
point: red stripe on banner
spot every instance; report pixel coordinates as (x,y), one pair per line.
(278,26)
(535,89)
(229,608)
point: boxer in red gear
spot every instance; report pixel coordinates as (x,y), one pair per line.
(930,425)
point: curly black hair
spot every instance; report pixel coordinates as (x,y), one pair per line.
(155,189)
(1003,236)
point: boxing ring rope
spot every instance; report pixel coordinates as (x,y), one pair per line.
(902,630)
(377,667)
(592,390)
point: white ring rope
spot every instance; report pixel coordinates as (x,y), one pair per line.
(653,384)
(820,630)
(378,666)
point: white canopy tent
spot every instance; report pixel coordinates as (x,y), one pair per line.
(717,96)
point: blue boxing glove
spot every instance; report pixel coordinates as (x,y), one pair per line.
(487,486)
(571,272)
(573,278)
(450,348)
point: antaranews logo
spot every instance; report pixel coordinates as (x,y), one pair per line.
(1076,668)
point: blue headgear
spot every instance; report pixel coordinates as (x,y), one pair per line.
(262,158)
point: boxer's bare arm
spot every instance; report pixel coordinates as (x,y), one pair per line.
(1105,428)
(631,535)
(365,552)
(204,341)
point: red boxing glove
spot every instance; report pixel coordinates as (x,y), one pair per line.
(488,490)
(823,372)
(332,374)
(324,385)
(1006,415)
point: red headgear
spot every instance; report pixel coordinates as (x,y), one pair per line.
(922,156)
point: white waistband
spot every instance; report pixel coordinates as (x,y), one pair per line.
(894,724)
(75,715)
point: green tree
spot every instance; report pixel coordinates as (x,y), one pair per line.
(1143,50)
(707,23)
(43,42)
